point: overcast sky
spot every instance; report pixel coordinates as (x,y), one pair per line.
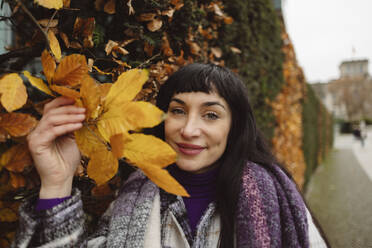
(324,33)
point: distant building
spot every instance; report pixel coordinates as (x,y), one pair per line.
(354,68)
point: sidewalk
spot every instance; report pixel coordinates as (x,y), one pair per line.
(340,194)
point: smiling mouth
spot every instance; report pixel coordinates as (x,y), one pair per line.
(189,149)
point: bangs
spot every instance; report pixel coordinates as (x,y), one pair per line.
(191,78)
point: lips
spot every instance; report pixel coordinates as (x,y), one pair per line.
(189,149)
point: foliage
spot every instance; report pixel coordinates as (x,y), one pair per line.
(252,45)
(88,43)
(317,130)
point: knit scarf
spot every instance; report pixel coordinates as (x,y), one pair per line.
(270,213)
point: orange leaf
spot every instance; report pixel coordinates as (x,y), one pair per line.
(118,142)
(148,151)
(102,166)
(110,7)
(16,158)
(64,91)
(141,115)
(38,83)
(71,70)
(17,124)
(89,140)
(228,20)
(54,45)
(49,65)
(13,92)
(146,17)
(17,180)
(90,94)
(164,180)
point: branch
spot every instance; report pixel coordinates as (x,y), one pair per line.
(35,21)
(34,51)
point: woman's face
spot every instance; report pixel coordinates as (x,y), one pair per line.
(197,127)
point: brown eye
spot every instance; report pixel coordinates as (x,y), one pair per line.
(177,111)
(211,116)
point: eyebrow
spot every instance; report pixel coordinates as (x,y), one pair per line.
(207,104)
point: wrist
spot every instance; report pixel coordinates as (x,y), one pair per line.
(55,191)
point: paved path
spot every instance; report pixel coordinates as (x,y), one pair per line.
(340,194)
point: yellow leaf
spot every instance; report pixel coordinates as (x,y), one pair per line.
(13,92)
(54,45)
(90,94)
(71,70)
(17,124)
(89,140)
(38,83)
(16,158)
(141,115)
(118,142)
(126,87)
(149,151)
(49,65)
(111,123)
(102,166)
(50,4)
(164,180)
(64,91)
(7,215)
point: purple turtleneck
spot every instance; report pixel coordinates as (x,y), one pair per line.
(201,188)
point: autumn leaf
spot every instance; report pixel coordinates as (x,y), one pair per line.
(16,158)
(64,91)
(155,25)
(38,83)
(126,87)
(13,92)
(89,140)
(141,115)
(164,180)
(71,70)
(102,166)
(109,7)
(17,180)
(17,124)
(91,97)
(50,4)
(54,45)
(49,65)
(7,215)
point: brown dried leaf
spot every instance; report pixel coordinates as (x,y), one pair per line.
(64,91)
(147,17)
(17,124)
(52,23)
(16,158)
(17,180)
(71,70)
(155,25)
(110,7)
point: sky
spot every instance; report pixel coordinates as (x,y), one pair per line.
(325,33)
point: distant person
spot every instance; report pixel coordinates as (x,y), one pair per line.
(358,135)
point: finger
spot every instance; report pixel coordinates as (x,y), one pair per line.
(57,120)
(68,109)
(51,134)
(59,101)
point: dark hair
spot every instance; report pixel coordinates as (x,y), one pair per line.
(244,140)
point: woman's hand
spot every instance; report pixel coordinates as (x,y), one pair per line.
(53,147)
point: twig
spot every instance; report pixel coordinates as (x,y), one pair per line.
(35,21)
(149,60)
(50,20)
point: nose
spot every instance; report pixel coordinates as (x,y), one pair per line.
(191,127)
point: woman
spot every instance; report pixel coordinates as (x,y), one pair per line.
(239,196)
